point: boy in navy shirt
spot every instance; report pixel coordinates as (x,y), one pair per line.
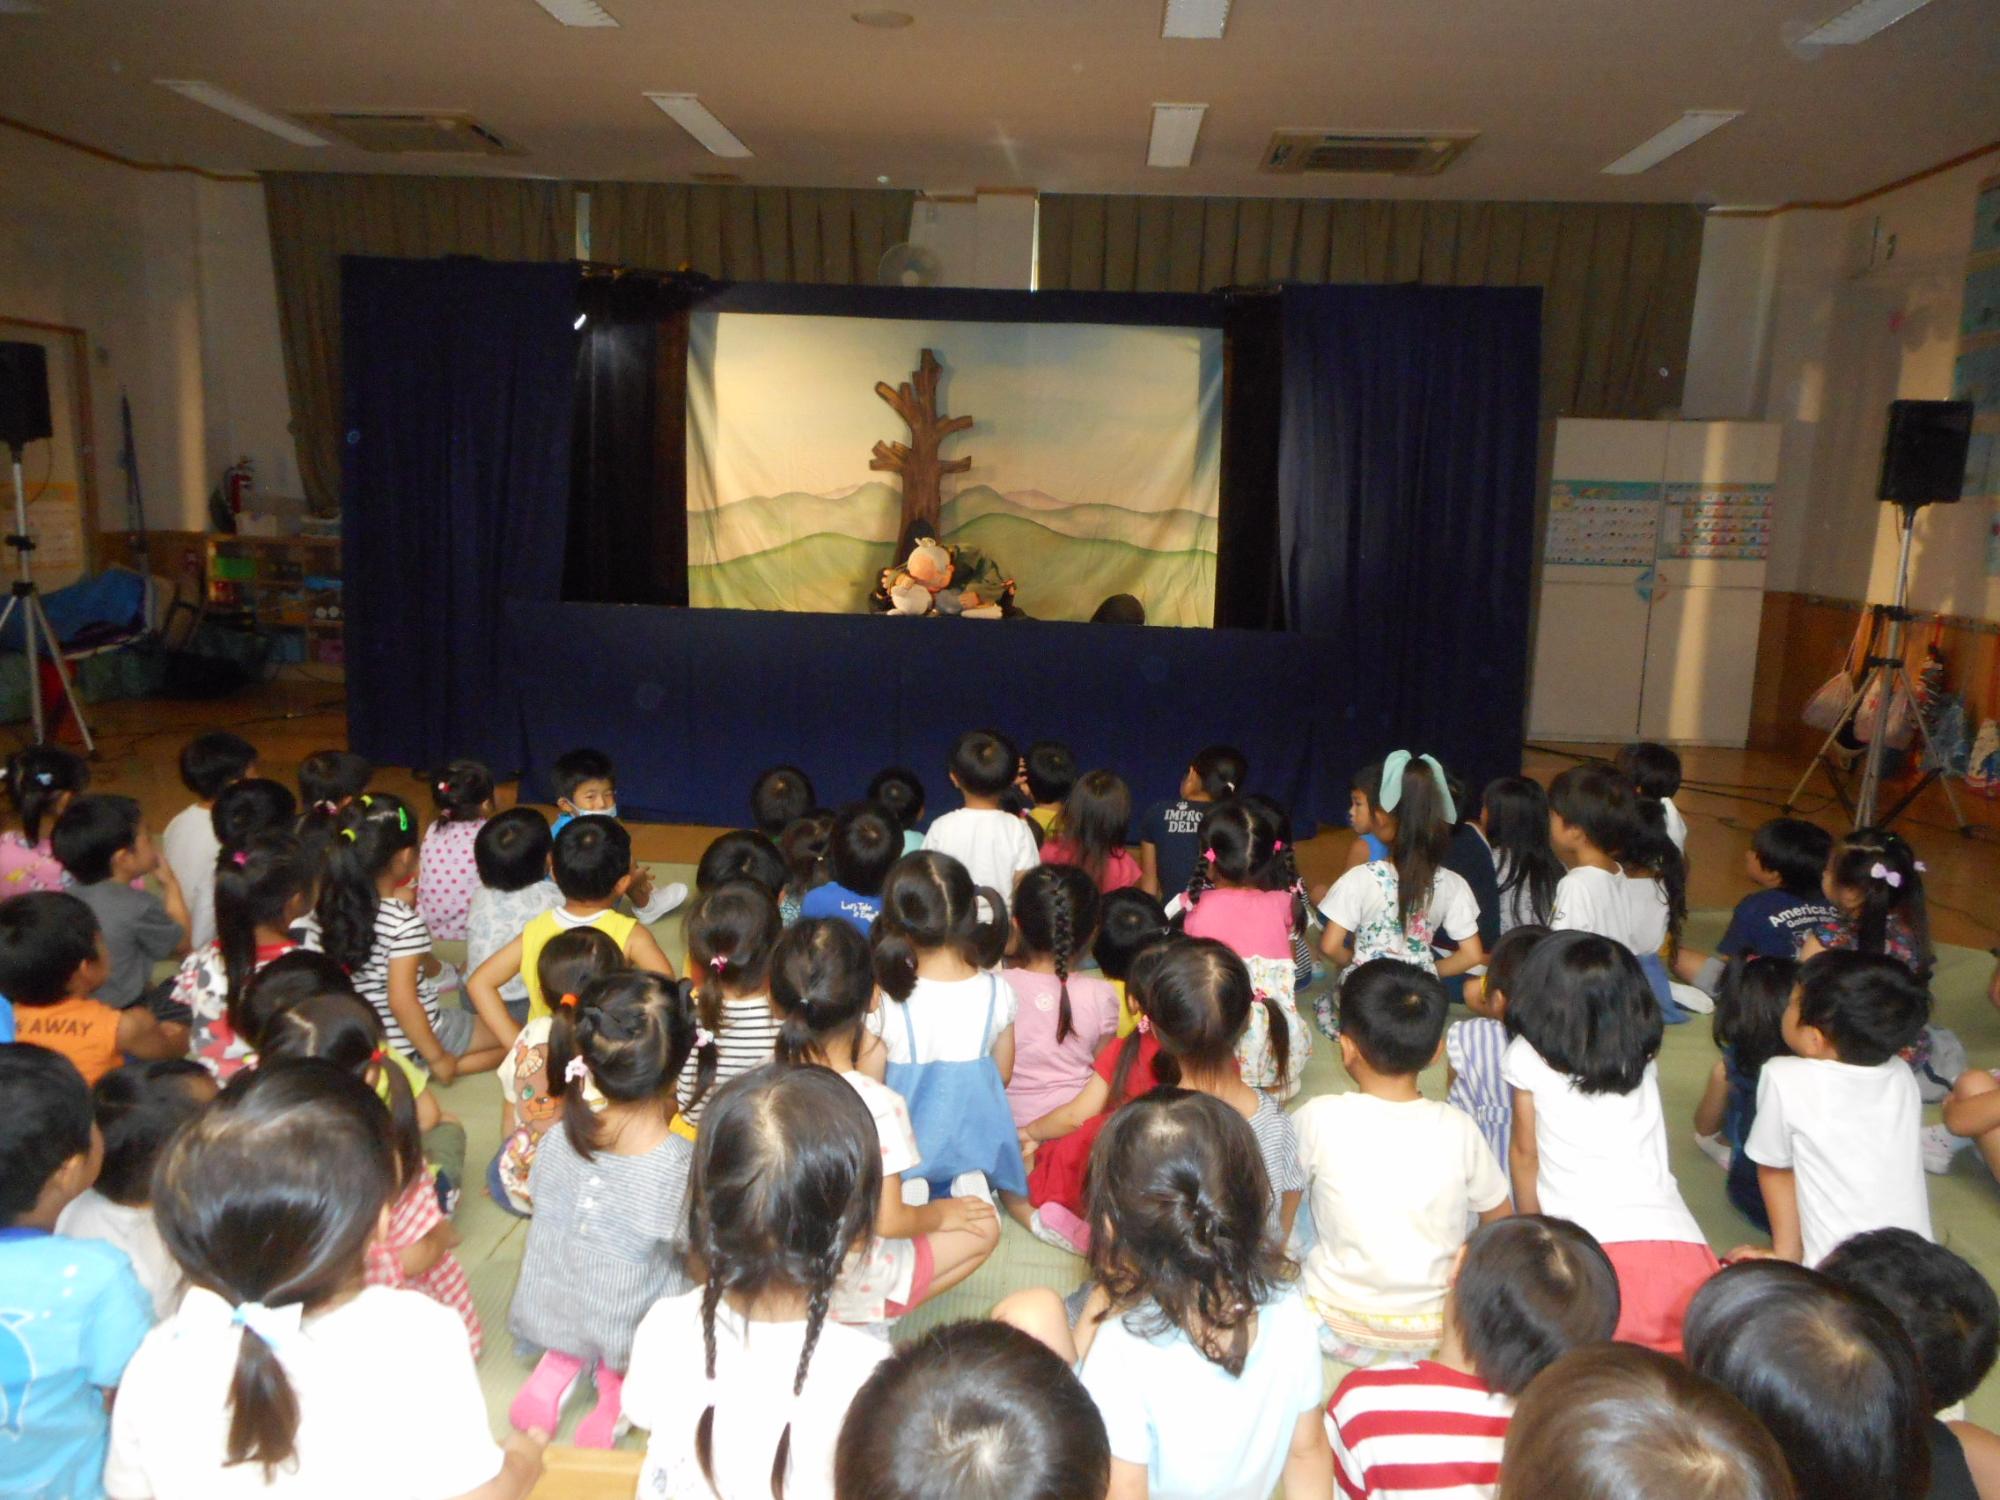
(1787,857)
(74,1310)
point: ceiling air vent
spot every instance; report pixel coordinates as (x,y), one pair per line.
(1393,154)
(434,132)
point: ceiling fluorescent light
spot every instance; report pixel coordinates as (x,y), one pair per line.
(1175,127)
(1678,136)
(688,112)
(578,12)
(1199,20)
(241,109)
(1859,22)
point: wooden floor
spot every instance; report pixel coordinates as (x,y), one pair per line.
(1727,794)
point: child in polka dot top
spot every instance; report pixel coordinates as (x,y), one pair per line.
(463,793)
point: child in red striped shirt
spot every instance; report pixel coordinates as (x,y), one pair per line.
(1525,1291)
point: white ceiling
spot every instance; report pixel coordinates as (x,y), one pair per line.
(1051,94)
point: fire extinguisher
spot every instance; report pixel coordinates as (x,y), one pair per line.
(239,483)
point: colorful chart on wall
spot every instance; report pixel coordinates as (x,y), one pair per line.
(1606,523)
(1095,456)
(1716,522)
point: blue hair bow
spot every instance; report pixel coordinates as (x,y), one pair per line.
(1392,782)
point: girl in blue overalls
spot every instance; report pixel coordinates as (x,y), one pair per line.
(948,1024)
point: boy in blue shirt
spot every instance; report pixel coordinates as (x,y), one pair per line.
(1787,858)
(864,847)
(71,1311)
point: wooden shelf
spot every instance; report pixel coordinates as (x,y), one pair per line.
(275,585)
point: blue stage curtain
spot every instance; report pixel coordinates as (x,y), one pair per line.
(1406,508)
(454,494)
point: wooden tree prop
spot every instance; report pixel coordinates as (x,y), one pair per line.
(917,460)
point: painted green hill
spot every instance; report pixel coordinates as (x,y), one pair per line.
(743,528)
(1065,578)
(1171,530)
(824,573)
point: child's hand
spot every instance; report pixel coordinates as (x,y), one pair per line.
(1750,1252)
(444,1069)
(641,888)
(1029,1145)
(966,1213)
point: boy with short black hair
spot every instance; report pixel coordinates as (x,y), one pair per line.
(138,1109)
(1835,1140)
(75,1313)
(209,764)
(994,845)
(103,842)
(864,848)
(1655,772)
(899,793)
(52,962)
(779,798)
(585,783)
(1394,1178)
(1786,860)
(511,853)
(1129,921)
(1049,772)
(592,864)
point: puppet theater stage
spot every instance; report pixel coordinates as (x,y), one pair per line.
(639,512)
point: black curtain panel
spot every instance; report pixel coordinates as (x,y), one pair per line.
(628,470)
(455,472)
(1248,590)
(1406,497)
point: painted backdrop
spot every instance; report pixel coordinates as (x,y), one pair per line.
(1094,454)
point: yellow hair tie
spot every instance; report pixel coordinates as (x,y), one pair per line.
(349,833)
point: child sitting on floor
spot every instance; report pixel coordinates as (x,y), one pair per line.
(281,1368)
(1128,922)
(1048,772)
(743,1384)
(587,786)
(1475,1047)
(1061,1018)
(1246,895)
(862,847)
(995,847)
(1195,1342)
(610,1232)
(731,931)
(104,844)
(823,988)
(1835,1138)
(1091,834)
(1524,1292)
(329,781)
(592,863)
(531,1094)
(75,1311)
(512,855)
(1395,1177)
(947,1025)
(899,793)
(1749,1031)
(52,961)
(463,795)
(1655,773)
(1514,817)
(42,780)
(779,797)
(260,891)
(1170,831)
(805,844)
(1590,1138)
(189,844)
(138,1108)
(1786,861)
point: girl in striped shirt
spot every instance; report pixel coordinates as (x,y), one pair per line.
(1473,1047)
(731,930)
(1525,1291)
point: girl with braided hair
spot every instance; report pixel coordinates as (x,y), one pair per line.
(1195,1342)
(1061,1018)
(610,1185)
(744,1382)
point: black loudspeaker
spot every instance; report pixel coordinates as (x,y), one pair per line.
(24,394)
(1923,461)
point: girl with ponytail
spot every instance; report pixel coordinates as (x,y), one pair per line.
(948,1027)
(365,921)
(42,780)
(416,1251)
(1196,1342)
(731,930)
(823,990)
(261,889)
(1195,1000)
(1247,895)
(463,795)
(609,1235)
(1061,1017)
(744,1382)
(281,1374)
(1394,907)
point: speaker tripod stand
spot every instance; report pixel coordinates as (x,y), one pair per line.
(1884,675)
(37,635)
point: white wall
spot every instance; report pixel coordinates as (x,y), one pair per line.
(983,241)
(1793,326)
(170,277)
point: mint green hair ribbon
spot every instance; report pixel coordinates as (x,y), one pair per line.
(1393,766)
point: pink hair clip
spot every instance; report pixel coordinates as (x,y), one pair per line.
(578,1071)
(1922,868)
(240,858)
(719,963)
(1887,876)
(703,1037)
(1209,855)
(1277,846)
(1144,1025)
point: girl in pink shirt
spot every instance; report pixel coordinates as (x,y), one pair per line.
(463,793)
(1246,895)
(1092,827)
(41,781)
(1061,1018)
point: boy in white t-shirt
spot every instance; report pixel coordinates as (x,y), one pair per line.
(209,764)
(1836,1137)
(1394,1178)
(997,847)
